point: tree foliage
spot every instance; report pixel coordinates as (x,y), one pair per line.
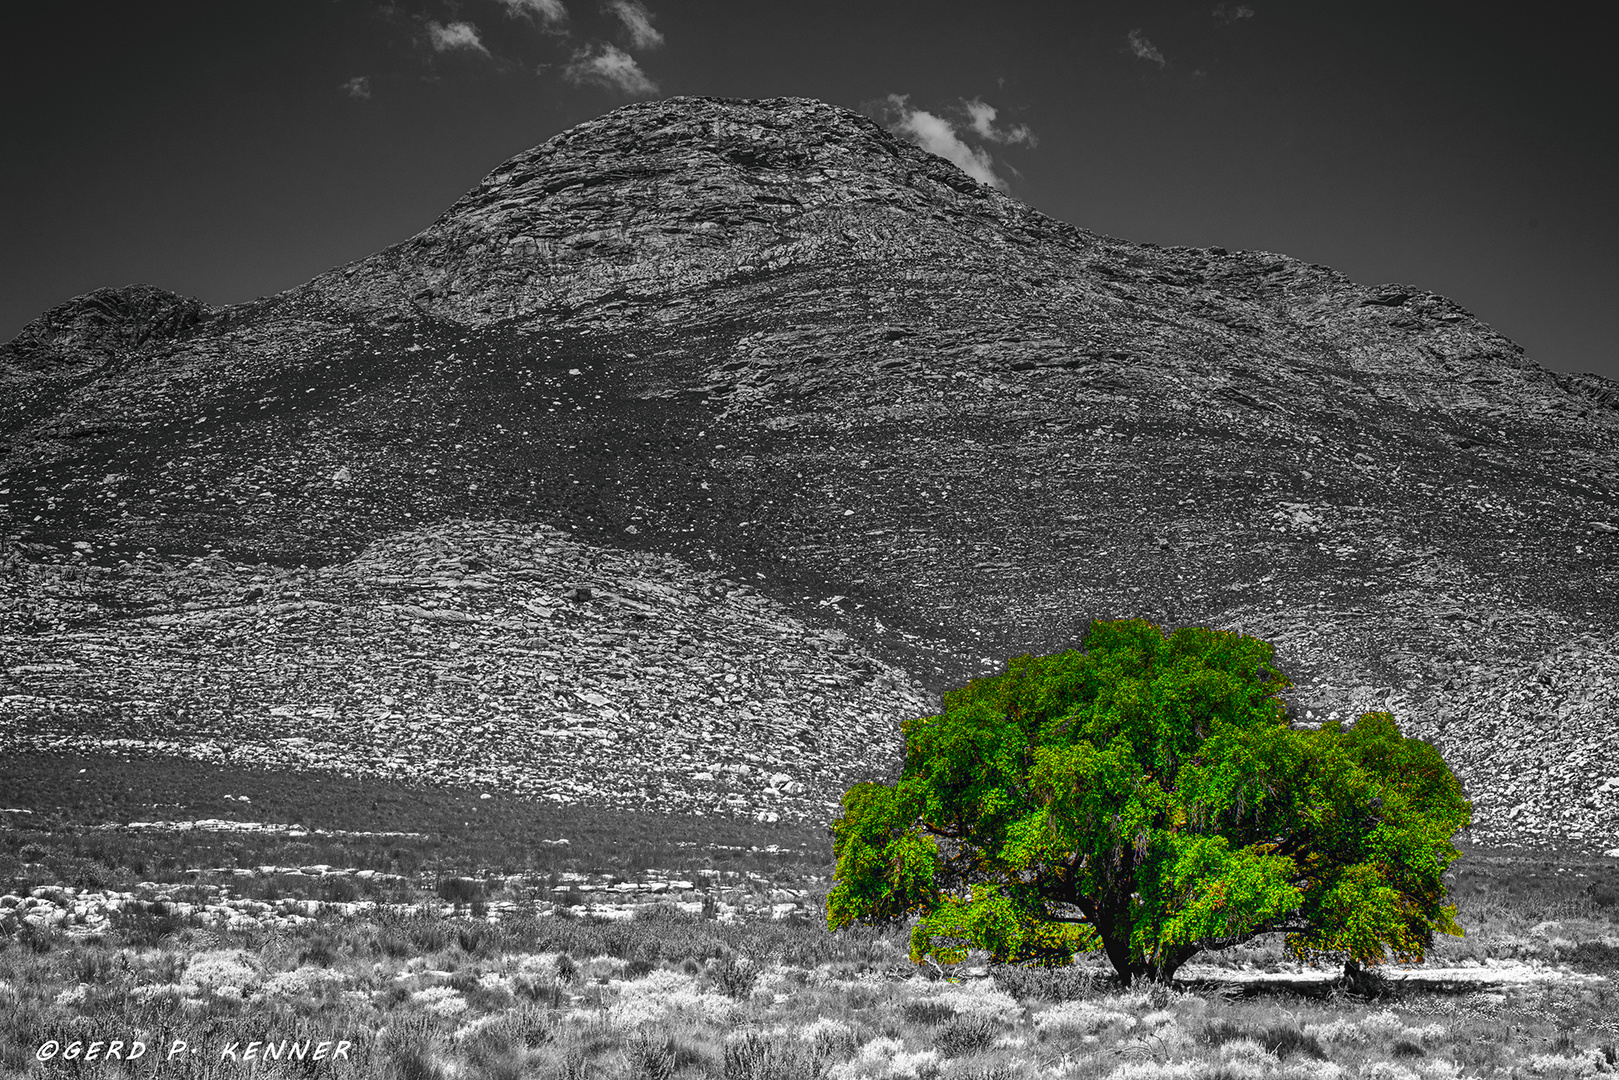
(1148,797)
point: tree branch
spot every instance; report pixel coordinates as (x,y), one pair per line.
(1284,926)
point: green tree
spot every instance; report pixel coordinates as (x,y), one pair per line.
(1148,797)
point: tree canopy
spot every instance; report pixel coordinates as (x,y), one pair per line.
(1148,797)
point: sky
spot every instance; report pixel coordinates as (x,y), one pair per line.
(229,151)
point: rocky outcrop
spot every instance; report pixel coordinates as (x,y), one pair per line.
(99,326)
(772,341)
(1596,389)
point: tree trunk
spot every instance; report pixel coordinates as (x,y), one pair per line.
(1169,964)
(1113,926)
(1363,983)
(1118,954)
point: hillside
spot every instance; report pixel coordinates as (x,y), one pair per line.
(718,342)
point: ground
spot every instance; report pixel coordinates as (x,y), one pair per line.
(440,935)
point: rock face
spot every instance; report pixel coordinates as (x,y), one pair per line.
(775,343)
(103,326)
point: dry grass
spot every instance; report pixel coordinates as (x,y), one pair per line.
(669,995)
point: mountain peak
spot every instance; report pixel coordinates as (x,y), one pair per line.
(662,196)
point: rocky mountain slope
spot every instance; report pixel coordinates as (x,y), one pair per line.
(766,340)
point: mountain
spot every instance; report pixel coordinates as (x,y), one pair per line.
(711,438)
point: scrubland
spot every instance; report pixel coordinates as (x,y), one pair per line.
(465,970)
(669,993)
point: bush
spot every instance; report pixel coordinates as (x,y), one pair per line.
(411,935)
(320,951)
(148,929)
(664,914)
(651,1058)
(755,1057)
(538,990)
(339,890)
(460,891)
(40,939)
(1280,1039)
(1054,984)
(999,1071)
(965,1035)
(476,938)
(733,979)
(95,967)
(1596,957)
(927,1012)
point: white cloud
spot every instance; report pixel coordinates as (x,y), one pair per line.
(546,12)
(611,67)
(1232,12)
(358,88)
(938,136)
(457,35)
(638,21)
(1144,49)
(982,118)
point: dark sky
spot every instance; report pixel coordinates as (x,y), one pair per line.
(231,150)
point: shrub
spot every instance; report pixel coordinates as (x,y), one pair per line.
(1083,1017)
(757,1057)
(339,890)
(1001,1070)
(1039,983)
(965,1035)
(539,991)
(1283,1040)
(411,1048)
(732,978)
(1596,957)
(927,1011)
(651,1058)
(96,966)
(665,915)
(1408,1048)
(476,938)
(415,1063)
(41,939)
(460,891)
(413,935)
(149,929)
(320,951)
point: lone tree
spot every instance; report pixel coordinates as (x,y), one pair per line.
(1148,797)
